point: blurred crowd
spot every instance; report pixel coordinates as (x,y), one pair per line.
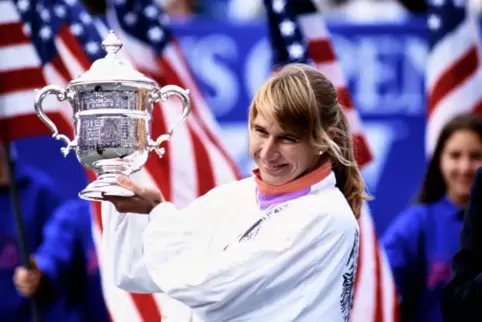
(341,10)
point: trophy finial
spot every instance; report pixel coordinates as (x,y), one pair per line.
(112,67)
(111,43)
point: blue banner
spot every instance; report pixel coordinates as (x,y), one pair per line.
(383,64)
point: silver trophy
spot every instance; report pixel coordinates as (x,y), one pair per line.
(112,105)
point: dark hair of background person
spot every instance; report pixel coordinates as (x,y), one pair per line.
(95,7)
(433,187)
(415,6)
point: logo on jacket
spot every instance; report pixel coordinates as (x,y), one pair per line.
(348,287)
(253,230)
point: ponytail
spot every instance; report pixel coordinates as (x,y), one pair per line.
(348,177)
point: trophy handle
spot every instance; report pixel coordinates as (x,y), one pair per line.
(61,95)
(162,94)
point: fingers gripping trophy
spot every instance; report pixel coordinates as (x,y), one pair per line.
(112,117)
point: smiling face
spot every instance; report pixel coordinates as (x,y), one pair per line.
(297,125)
(280,156)
(460,159)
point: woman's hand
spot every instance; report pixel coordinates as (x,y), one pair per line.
(143,202)
(27,281)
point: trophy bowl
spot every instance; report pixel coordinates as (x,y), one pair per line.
(112,115)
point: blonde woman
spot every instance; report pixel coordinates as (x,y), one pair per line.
(280,245)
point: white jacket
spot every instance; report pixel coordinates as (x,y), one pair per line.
(297,265)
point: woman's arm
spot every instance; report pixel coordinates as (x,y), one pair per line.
(123,242)
(122,249)
(462,297)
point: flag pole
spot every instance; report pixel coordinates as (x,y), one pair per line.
(18,221)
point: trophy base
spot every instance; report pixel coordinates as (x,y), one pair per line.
(104,185)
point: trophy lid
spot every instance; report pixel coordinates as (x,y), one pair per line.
(111,68)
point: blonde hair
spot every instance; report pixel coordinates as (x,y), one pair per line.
(303,101)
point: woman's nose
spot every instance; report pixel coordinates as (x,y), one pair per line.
(269,150)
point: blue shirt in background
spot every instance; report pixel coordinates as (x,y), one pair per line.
(420,245)
(69,259)
(38,199)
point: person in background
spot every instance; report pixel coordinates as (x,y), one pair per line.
(421,241)
(68,260)
(38,198)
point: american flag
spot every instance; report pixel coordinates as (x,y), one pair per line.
(454,73)
(37,46)
(53,41)
(298,34)
(197,159)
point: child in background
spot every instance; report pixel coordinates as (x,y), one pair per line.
(423,239)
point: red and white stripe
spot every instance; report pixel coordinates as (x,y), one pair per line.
(20,74)
(453,79)
(376,297)
(194,163)
(321,52)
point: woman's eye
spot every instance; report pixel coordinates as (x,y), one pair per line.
(261,132)
(454,155)
(288,139)
(476,156)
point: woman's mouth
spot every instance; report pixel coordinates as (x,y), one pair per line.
(273,167)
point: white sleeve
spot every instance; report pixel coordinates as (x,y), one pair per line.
(123,242)
(122,249)
(221,285)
